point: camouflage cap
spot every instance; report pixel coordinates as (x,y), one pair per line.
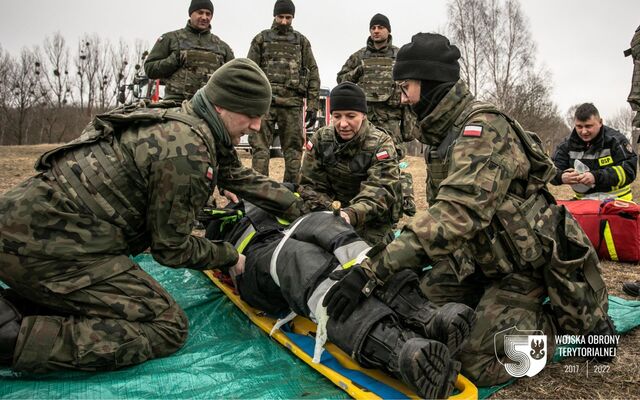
(240,86)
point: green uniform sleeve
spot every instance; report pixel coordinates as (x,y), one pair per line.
(255,51)
(380,192)
(178,189)
(481,170)
(313,173)
(164,58)
(313,77)
(351,71)
(260,190)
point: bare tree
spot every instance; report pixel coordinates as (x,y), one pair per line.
(26,91)
(622,120)
(466,26)
(57,83)
(91,71)
(6,72)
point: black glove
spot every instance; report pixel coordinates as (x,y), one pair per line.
(310,118)
(346,294)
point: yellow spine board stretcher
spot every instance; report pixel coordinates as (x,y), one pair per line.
(303,326)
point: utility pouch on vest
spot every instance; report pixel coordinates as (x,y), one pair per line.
(517,219)
(463,262)
(489,253)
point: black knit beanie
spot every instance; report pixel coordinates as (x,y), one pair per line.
(284,7)
(348,96)
(240,86)
(381,20)
(429,56)
(199,5)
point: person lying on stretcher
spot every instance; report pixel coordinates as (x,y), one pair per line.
(291,268)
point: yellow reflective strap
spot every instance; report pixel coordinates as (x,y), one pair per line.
(349,264)
(608,239)
(245,242)
(283,221)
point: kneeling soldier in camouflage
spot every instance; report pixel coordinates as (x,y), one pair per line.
(133,180)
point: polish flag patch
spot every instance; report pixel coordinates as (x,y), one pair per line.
(472,130)
(382,155)
(209,173)
(308,145)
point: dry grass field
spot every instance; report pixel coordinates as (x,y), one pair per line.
(621,380)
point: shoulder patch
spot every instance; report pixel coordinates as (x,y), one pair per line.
(382,155)
(209,174)
(472,130)
(309,145)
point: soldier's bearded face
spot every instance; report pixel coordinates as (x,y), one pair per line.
(284,19)
(347,123)
(379,34)
(589,129)
(238,124)
(201,19)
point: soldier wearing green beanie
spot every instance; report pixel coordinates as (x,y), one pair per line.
(134,179)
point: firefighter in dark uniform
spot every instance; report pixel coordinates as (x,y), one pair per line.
(185,59)
(596,160)
(133,180)
(290,267)
(370,68)
(355,163)
(285,55)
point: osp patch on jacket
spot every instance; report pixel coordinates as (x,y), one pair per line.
(472,130)
(382,155)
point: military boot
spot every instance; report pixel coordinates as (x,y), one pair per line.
(423,364)
(10,320)
(449,324)
(631,288)
(603,328)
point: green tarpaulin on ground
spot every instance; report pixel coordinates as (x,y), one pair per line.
(226,356)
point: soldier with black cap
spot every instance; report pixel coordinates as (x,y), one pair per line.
(285,55)
(185,59)
(370,68)
(355,163)
(133,180)
(493,234)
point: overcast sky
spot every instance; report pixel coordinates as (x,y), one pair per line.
(579,41)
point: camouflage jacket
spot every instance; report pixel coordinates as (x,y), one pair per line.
(484,180)
(609,157)
(185,59)
(149,179)
(634,94)
(371,69)
(363,174)
(286,58)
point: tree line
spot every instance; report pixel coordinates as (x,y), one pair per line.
(49,92)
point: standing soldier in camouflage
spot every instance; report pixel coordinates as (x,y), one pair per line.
(185,59)
(370,67)
(284,54)
(133,180)
(493,234)
(634,95)
(354,162)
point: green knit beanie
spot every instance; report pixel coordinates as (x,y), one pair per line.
(240,86)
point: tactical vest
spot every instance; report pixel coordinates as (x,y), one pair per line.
(510,242)
(348,171)
(377,77)
(200,61)
(94,170)
(283,64)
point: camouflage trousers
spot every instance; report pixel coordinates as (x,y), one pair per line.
(634,95)
(96,319)
(511,302)
(512,305)
(286,122)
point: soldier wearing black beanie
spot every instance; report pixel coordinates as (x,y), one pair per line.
(348,96)
(284,7)
(381,20)
(200,5)
(431,59)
